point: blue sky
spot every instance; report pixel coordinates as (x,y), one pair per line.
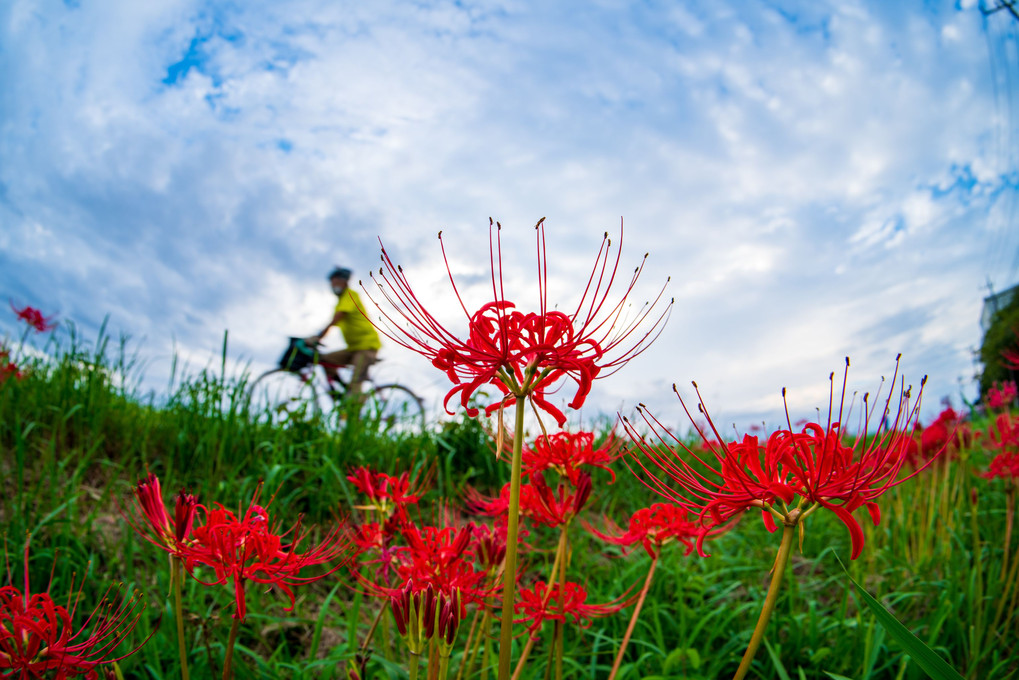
(819,179)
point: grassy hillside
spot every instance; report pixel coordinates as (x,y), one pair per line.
(75,439)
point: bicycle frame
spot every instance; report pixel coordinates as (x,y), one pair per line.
(391,406)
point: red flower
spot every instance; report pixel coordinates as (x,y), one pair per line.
(1004,466)
(489,544)
(480,504)
(1004,432)
(540,604)
(252,549)
(438,557)
(38,638)
(34,318)
(947,432)
(1001,396)
(537,500)
(7,368)
(819,464)
(156,525)
(554,508)
(1003,435)
(386,493)
(524,354)
(566,452)
(657,526)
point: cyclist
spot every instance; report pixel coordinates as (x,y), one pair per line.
(361,337)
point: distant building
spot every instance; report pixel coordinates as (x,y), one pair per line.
(993,303)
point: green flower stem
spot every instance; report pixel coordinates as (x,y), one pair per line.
(1009,518)
(176,580)
(528,646)
(788,533)
(486,655)
(551,654)
(978,612)
(433,660)
(560,556)
(228,664)
(415,658)
(472,644)
(564,551)
(509,577)
(633,618)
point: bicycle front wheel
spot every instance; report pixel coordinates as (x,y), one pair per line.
(281,396)
(393,408)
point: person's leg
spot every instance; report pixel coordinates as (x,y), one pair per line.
(340,357)
(360,360)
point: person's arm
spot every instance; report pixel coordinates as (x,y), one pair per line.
(337,317)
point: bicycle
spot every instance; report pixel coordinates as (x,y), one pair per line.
(298,390)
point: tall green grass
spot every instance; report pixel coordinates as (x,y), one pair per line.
(76,433)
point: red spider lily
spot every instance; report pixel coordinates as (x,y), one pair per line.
(1004,466)
(818,464)
(8,369)
(252,549)
(566,452)
(1003,435)
(156,525)
(369,536)
(437,557)
(1004,432)
(1001,396)
(948,432)
(554,508)
(537,500)
(386,493)
(433,557)
(377,541)
(540,603)
(38,638)
(34,318)
(523,354)
(655,527)
(479,504)
(489,545)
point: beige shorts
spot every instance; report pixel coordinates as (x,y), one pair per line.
(360,359)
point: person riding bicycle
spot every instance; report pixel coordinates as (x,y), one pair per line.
(361,337)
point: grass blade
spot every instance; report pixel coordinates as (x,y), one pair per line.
(924,656)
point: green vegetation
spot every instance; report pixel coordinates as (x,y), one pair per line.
(1000,337)
(75,437)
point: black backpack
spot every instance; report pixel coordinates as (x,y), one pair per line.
(298,356)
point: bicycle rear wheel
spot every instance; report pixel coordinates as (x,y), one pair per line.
(394,409)
(281,396)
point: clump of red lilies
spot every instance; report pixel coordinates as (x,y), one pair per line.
(248,546)
(40,638)
(788,477)
(523,354)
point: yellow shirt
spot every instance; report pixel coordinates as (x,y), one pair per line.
(357,331)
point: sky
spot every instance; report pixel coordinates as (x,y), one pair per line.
(814,179)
